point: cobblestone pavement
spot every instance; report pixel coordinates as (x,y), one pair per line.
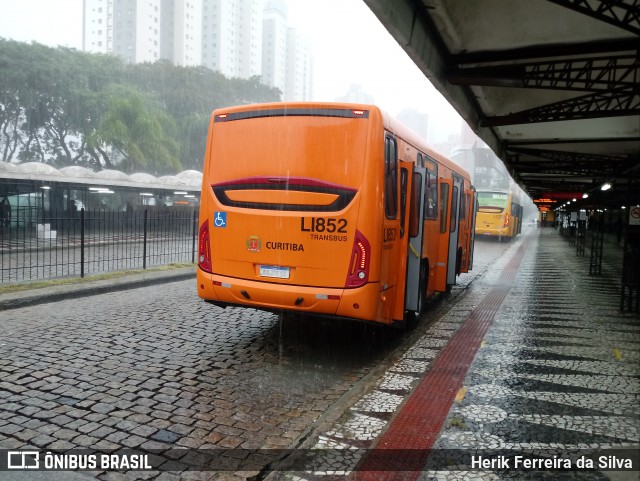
(154,368)
(557,371)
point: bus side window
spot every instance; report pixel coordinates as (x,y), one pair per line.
(404,180)
(414,221)
(463,207)
(431,197)
(391,179)
(454,208)
(444,197)
(431,186)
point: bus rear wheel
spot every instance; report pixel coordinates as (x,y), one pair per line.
(412,317)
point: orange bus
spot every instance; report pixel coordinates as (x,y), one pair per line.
(330,209)
(499,215)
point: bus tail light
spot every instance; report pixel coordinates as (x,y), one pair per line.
(358,274)
(204,247)
(506,220)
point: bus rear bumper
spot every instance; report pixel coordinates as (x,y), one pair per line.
(357,303)
(483,231)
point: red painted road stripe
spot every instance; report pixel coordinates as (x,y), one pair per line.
(417,425)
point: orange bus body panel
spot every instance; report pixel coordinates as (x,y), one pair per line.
(442,238)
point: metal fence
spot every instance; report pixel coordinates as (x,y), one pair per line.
(82,243)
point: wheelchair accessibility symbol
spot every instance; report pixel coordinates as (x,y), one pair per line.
(220,219)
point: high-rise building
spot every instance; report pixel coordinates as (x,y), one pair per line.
(239,38)
(298,82)
(274,44)
(144,31)
(286,55)
(232,36)
(136,30)
(181,31)
(97,28)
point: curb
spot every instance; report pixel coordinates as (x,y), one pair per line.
(58,293)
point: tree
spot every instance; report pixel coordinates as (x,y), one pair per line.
(139,135)
(190,94)
(65,107)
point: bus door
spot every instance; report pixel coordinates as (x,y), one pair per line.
(520,211)
(466,223)
(406,173)
(474,212)
(391,232)
(441,238)
(453,230)
(416,277)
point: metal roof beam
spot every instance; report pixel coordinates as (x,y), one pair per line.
(562,156)
(565,170)
(592,74)
(510,143)
(547,51)
(615,103)
(576,170)
(622,14)
(545,171)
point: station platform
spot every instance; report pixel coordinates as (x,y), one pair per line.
(534,361)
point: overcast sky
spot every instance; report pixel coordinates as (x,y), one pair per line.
(349,46)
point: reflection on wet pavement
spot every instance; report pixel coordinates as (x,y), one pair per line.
(556,374)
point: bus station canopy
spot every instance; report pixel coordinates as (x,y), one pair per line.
(552,87)
(21,178)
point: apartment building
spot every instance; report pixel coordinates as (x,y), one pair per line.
(232,37)
(181,31)
(274,44)
(97,29)
(298,81)
(239,38)
(144,30)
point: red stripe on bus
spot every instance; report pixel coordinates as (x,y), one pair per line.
(277,180)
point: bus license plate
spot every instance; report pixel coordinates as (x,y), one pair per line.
(274,271)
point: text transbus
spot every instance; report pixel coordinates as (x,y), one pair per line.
(332,209)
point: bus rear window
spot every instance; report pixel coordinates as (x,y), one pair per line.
(264,160)
(494,200)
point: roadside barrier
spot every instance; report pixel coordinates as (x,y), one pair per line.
(90,242)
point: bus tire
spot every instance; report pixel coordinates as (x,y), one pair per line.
(424,282)
(413,317)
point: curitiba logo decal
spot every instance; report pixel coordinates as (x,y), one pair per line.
(254,244)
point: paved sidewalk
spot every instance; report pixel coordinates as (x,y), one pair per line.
(55,293)
(535,360)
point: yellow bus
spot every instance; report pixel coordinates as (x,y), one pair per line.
(499,215)
(329,209)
